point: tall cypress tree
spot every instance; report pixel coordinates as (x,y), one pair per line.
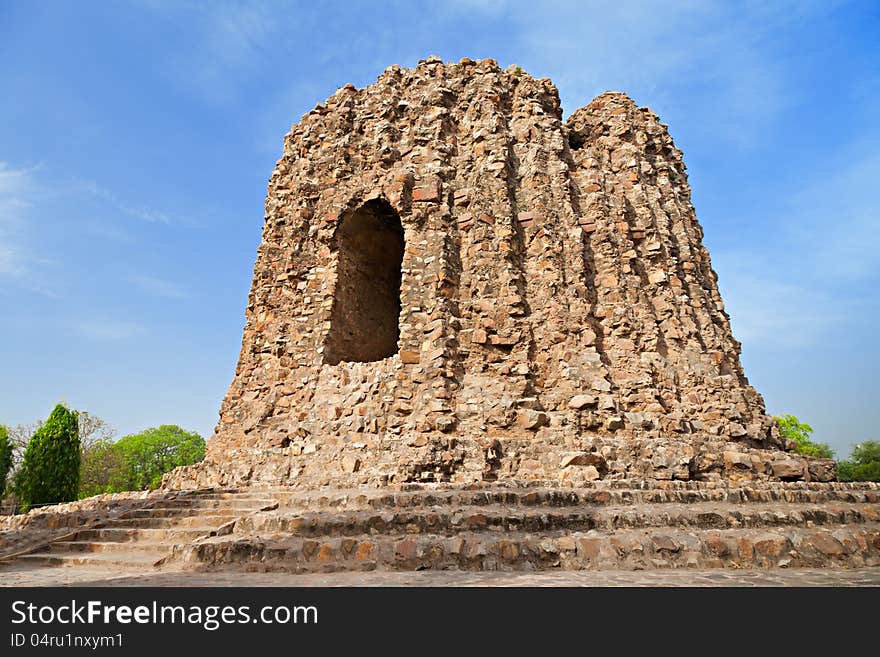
(5,457)
(50,467)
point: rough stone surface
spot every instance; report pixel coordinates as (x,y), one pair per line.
(599,525)
(456,285)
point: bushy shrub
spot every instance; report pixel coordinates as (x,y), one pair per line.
(791,428)
(50,468)
(863,464)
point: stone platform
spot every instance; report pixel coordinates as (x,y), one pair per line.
(605,526)
(610,525)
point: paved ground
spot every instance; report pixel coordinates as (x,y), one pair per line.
(73,576)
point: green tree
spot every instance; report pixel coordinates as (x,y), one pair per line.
(863,464)
(147,455)
(50,467)
(790,428)
(5,458)
(101,466)
(99,461)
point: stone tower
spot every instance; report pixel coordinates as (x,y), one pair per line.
(454,284)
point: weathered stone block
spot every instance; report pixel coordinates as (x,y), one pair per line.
(410,357)
(585,459)
(822,469)
(582,401)
(789,468)
(427,193)
(350,464)
(827,545)
(531,419)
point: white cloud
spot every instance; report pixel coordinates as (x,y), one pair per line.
(16,188)
(144,214)
(24,192)
(159,287)
(8,260)
(15,183)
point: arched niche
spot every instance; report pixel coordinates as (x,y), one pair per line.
(365,315)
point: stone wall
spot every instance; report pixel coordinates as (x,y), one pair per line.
(558,317)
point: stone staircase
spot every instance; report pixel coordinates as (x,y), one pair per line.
(611,525)
(628,525)
(141,538)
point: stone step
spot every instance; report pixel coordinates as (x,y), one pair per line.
(256,494)
(561,497)
(601,484)
(450,521)
(181,521)
(129,535)
(835,545)
(137,547)
(121,560)
(608,525)
(170,512)
(157,512)
(199,503)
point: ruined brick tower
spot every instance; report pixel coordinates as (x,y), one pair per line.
(454,284)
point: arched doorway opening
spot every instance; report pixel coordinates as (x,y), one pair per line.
(364,322)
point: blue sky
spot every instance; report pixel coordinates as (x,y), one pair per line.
(136,141)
